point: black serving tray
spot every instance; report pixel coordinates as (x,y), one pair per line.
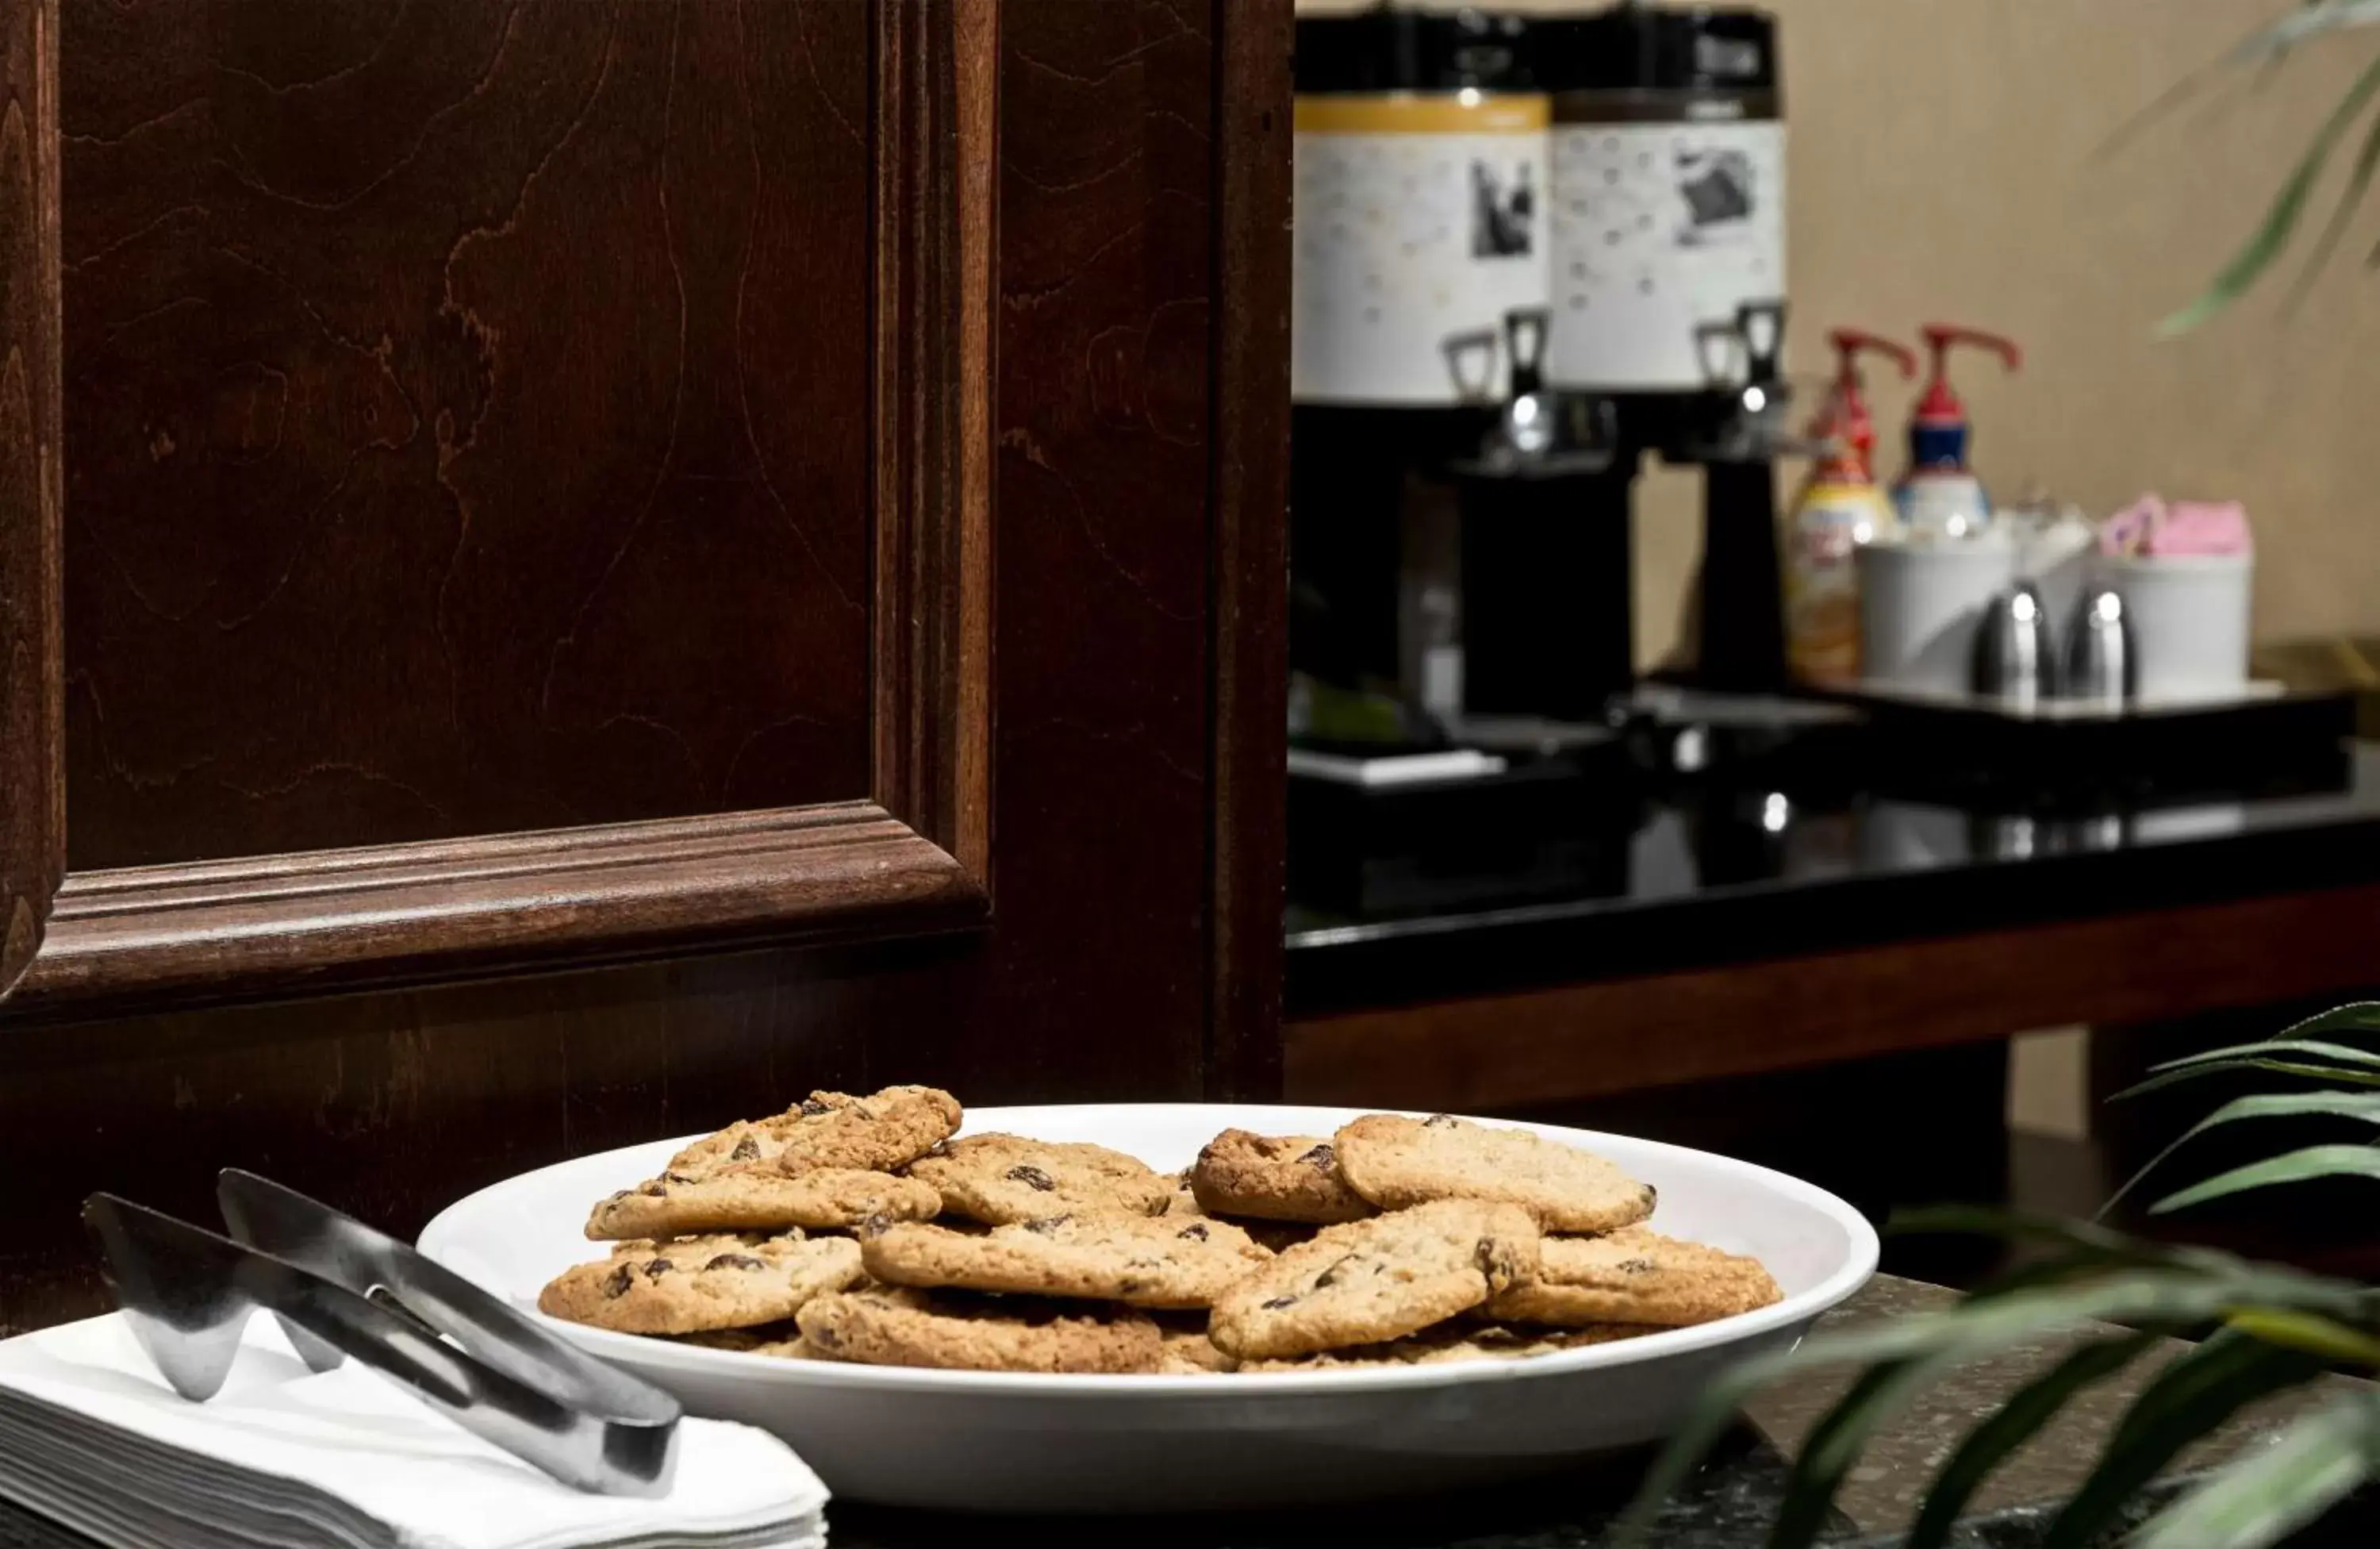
(1988,754)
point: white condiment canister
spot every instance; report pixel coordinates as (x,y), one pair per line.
(1669,193)
(1421,178)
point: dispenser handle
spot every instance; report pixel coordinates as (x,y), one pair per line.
(1524,345)
(1940,336)
(1762,323)
(1851,343)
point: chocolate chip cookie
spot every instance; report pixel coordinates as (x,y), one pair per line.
(782,1340)
(1146,1260)
(755,1196)
(831,1130)
(1368,1281)
(1276,1177)
(685,1284)
(1458,1340)
(1399,1162)
(898,1325)
(1188,1352)
(1636,1275)
(1001,1178)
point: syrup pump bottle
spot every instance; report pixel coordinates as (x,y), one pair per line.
(1839,509)
(1941,497)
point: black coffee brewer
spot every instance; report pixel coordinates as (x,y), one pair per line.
(1529,253)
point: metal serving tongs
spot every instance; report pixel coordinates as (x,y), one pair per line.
(340,1288)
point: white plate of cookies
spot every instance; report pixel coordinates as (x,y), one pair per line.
(1159,1307)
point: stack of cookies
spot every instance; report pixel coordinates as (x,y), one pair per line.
(1440,1239)
(746,1225)
(857,1229)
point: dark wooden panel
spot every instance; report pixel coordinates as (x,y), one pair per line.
(32,822)
(468,414)
(257,925)
(1094,978)
(1105,248)
(1251,563)
(1589,1039)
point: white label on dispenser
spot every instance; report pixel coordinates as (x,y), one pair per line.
(1661,232)
(1420,223)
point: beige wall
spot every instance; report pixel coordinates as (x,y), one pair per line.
(1945,165)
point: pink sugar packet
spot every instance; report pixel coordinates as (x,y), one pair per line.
(2148,525)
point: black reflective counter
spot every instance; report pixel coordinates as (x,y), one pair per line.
(1673,884)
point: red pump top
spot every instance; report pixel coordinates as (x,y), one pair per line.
(1940,406)
(1844,416)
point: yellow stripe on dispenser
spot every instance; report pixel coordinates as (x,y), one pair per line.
(1423,113)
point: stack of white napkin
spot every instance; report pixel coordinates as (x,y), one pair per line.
(92,1437)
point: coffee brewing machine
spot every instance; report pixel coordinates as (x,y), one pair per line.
(1530,252)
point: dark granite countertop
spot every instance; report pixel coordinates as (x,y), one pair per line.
(1675,885)
(1729,1504)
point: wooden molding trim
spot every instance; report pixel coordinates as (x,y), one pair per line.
(838,871)
(914,859)
(1595,1040)
(937,71)
(32,652)
(1249,632)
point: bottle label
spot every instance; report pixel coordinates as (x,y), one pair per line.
(1822,619)
(1421,222)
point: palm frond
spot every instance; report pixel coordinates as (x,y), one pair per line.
(2281,222)
(2362,1106)
(2297,1166)
(2356,1016)
(2198,1390)
(2310,1333)
(2313,1048)
(2258,1500)
(2264,46)
(2161,1296)
(2347,1074)
(1995,1438)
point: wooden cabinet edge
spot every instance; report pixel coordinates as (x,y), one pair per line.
(842,873)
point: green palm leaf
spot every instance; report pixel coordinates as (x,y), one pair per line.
(2327,1339)
(2355,1016)
(2260,1499)
(2336,1073)
(2364,1106)
(2281,220)
(2297,1166)
(2335,1053)
(2163,1298)
(2197,1391)
(2026,1412)
(1834,1444)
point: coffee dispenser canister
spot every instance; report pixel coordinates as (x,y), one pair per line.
(1668,194)
(1421,178)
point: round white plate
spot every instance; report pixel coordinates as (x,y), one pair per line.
(997,1440)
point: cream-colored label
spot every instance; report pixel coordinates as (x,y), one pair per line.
(1411,246)
(1661,232)
(1822,617)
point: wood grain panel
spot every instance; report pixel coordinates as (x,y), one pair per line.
(469,417)
(32,820)
(759,237)
(1093,978)
(1591,1040)
(1251,559)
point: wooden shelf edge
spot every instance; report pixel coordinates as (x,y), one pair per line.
(277,925)
(1597,1039)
